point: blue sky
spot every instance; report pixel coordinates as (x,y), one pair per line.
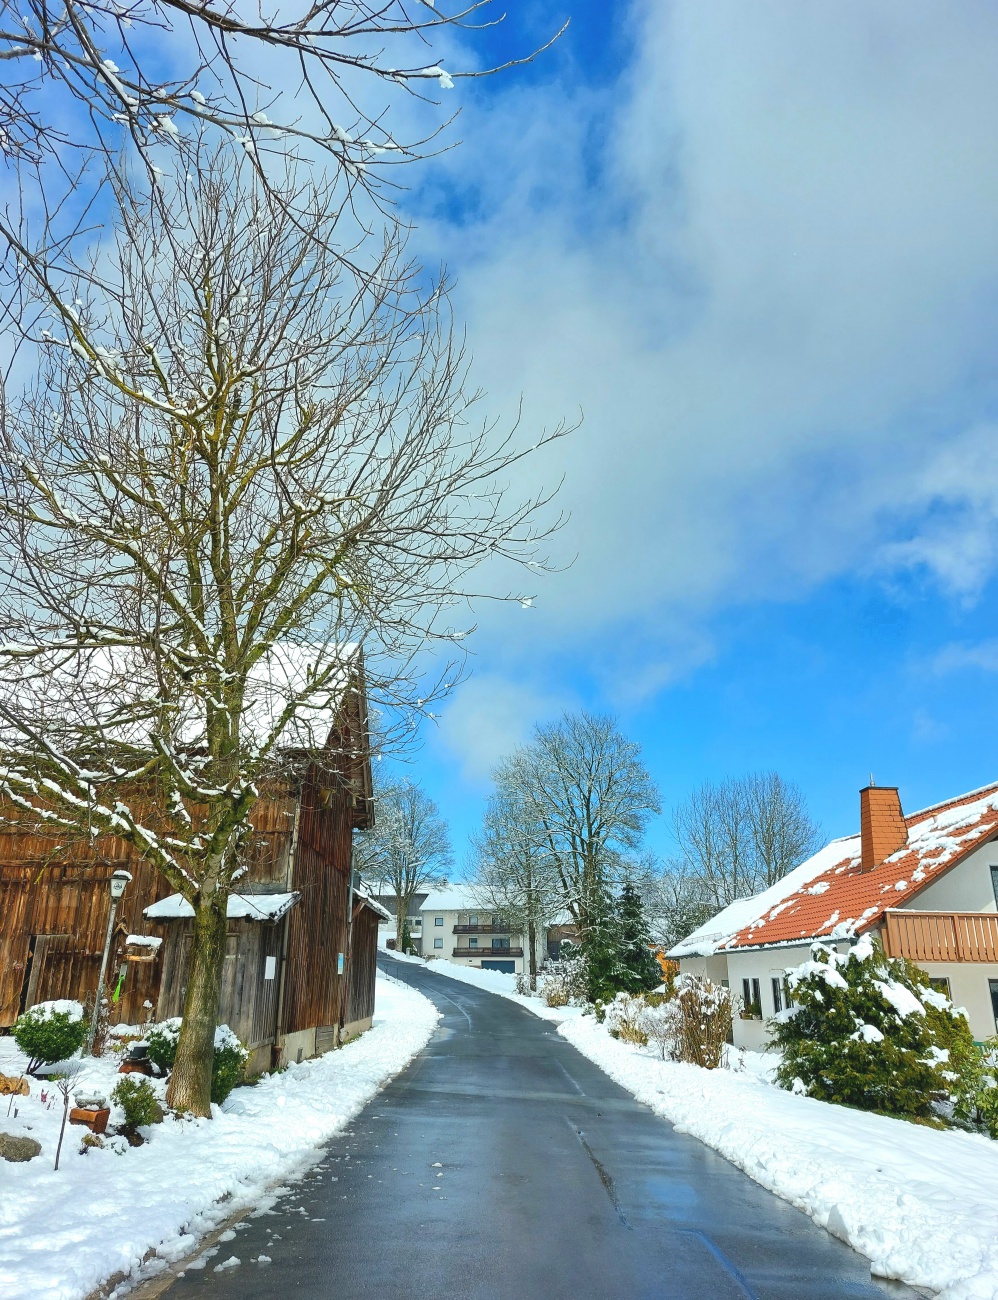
(757,247)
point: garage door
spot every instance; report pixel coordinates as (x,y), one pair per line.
(507,967)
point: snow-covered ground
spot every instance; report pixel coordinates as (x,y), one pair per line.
(920,1203)
(101,1214)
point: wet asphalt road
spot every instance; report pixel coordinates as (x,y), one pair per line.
(503,1163)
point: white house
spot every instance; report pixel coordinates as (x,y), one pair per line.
(926,885)
(457,927)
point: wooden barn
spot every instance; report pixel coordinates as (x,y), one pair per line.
(302,935)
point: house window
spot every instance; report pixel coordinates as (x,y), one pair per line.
(438,943)
(777,994)
(438,920)
(752,996)
(472,942)
(993,985)
(994,883)
(472,920)
(500,943)
(941,984)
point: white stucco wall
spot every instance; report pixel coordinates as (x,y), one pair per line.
(964,888)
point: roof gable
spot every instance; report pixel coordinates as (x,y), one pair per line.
(830,894)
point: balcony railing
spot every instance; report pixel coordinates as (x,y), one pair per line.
(942,936)
(482,929)
(488,952)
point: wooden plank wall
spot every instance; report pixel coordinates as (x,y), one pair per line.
(317,924)
(248,1002)
(363,966)
(72,901)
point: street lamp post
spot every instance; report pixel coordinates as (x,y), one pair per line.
(119,879)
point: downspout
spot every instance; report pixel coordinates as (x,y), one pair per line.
(288,878)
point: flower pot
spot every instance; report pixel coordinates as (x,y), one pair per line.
(94,1120)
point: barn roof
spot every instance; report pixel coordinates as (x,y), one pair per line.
(828,895)
(238,907)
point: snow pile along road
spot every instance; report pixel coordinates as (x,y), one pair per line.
(63,1233)
(920,1203)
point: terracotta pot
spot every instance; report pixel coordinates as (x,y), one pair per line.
(135,1067)
(94,1120)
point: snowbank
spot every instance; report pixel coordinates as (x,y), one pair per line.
(62,1234)
(921,1204)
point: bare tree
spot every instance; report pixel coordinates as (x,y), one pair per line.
(408,848)
(676,901)
(739,836)
(783,832)
(590,792)
(514,869)
(148,71)
(239,462)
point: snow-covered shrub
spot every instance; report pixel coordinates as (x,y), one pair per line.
(162,1041)
(564,981)
(522,984)
(625,1017)
(50,1032)
(869,1031)
(227,1064)
(138,1101)
(700,1012)
(660,1022)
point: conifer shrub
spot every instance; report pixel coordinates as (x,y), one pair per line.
(50,1032)
(227,1064)
(138,1101)
(868,1031)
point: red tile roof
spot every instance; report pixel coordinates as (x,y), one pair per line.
(829,892)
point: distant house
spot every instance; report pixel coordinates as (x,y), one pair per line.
(302,937)
(925,885)
(456,927)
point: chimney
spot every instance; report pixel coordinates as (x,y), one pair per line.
(882,826)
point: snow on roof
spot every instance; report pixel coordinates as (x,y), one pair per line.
(239,907)
(363,892)
(830,893)
(457,898)
(114,689)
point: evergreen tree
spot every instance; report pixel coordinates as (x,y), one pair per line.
(602,948)
(640,970)
(868,1031)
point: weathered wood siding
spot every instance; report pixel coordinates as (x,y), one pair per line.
(248,1001)
(317,924)
(363,966)
(53,921)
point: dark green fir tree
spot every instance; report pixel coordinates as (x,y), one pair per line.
(601,947)
(640,969)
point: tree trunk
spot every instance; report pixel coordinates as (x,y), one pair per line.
(190,1082)
(532,942)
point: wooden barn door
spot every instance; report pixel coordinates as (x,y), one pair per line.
(50,969)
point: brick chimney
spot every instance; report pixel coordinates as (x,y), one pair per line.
(882,826)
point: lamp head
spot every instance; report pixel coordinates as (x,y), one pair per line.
(119,879)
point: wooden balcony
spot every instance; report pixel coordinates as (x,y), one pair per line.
(483,951)
(482,929)
(942,936)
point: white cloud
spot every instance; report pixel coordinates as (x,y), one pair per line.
(776,311)
(489,716)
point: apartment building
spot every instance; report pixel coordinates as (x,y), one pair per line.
(457,928)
